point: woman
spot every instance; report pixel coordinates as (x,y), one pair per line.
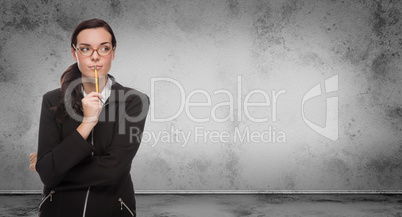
(87,140)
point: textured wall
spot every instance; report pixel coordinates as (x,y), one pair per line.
(270,46)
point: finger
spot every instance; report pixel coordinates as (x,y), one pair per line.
(94,104)
(33,160)
(94,94)
(32,167)
(94,99)
(91,98)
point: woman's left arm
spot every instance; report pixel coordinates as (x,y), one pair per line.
(108,169)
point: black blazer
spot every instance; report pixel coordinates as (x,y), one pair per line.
(81,179)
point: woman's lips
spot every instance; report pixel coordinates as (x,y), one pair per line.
(97,67)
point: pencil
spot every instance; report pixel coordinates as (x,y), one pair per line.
(96,82)
(96,79)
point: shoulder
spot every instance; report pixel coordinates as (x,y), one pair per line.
(52,96)
(135,100)
(135,95)
(132,95)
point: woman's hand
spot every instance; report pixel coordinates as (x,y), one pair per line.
(92,106)
(32,161)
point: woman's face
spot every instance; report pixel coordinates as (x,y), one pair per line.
(93,38)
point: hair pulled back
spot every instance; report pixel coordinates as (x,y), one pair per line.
(72,73)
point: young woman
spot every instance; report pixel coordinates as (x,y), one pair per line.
(88,139)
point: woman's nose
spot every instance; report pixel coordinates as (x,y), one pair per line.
(95,56)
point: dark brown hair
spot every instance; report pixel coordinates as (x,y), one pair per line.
(72,73)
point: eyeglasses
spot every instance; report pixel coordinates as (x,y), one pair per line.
(103,50)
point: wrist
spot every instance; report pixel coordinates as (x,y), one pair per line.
(90,120)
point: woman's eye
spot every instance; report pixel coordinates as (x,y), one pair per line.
(84,49)
(105,48)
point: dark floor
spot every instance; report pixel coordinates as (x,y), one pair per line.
(237,205)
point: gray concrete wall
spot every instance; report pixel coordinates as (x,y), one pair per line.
(350,49)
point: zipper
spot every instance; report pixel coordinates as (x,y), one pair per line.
(86,201)
(121,206)
(89,188)
(92,139)
(44,199)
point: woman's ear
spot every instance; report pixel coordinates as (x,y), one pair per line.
(113,53)
(74,54)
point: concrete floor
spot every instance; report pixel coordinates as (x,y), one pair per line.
(237,205)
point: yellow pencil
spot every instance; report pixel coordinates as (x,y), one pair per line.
(96,80)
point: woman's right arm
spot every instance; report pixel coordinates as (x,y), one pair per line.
(91,108)
(55,158)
